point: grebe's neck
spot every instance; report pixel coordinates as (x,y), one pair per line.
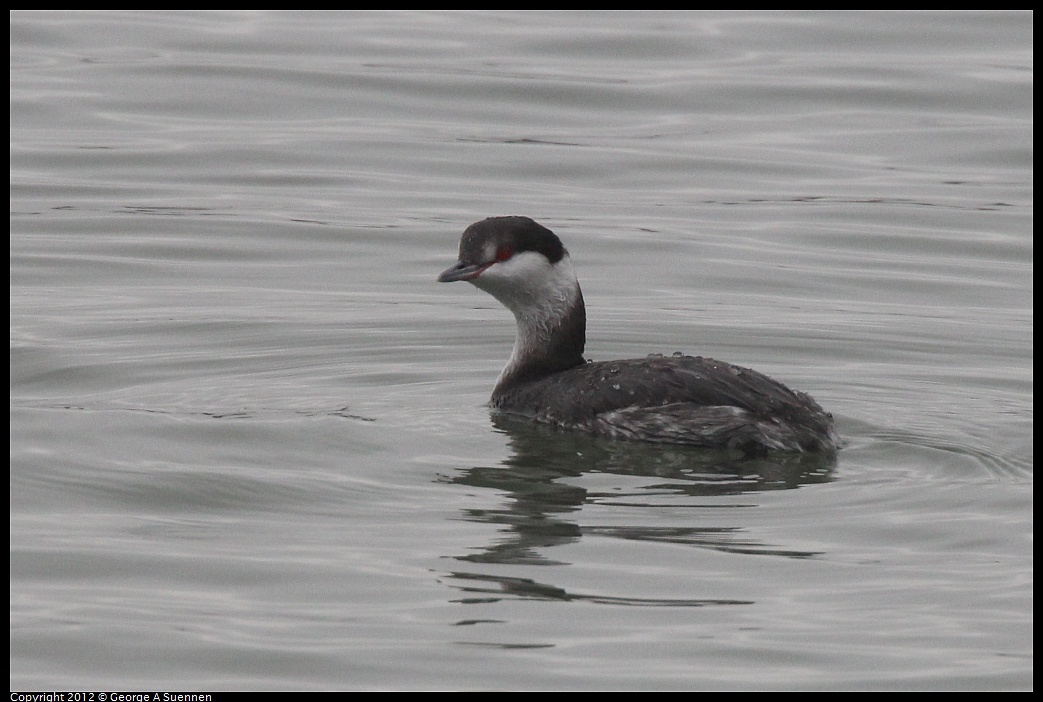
(547,304)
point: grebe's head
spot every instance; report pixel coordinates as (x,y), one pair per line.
(519,262)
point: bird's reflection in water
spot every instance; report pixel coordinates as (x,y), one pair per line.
(539,495)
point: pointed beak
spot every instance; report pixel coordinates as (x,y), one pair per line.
(461,270)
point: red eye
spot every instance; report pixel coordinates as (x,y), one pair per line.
(503,253)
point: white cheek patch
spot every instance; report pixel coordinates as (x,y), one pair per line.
(519,280)
(524,267)
(536,291)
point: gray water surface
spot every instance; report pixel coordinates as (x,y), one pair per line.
(249,446)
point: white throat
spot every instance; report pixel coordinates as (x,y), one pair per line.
(540,294)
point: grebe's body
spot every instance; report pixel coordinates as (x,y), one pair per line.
(667,399)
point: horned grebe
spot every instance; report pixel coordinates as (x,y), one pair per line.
(665,399)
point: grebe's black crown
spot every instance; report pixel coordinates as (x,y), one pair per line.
(516,233)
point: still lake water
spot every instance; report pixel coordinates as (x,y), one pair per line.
(248,441)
